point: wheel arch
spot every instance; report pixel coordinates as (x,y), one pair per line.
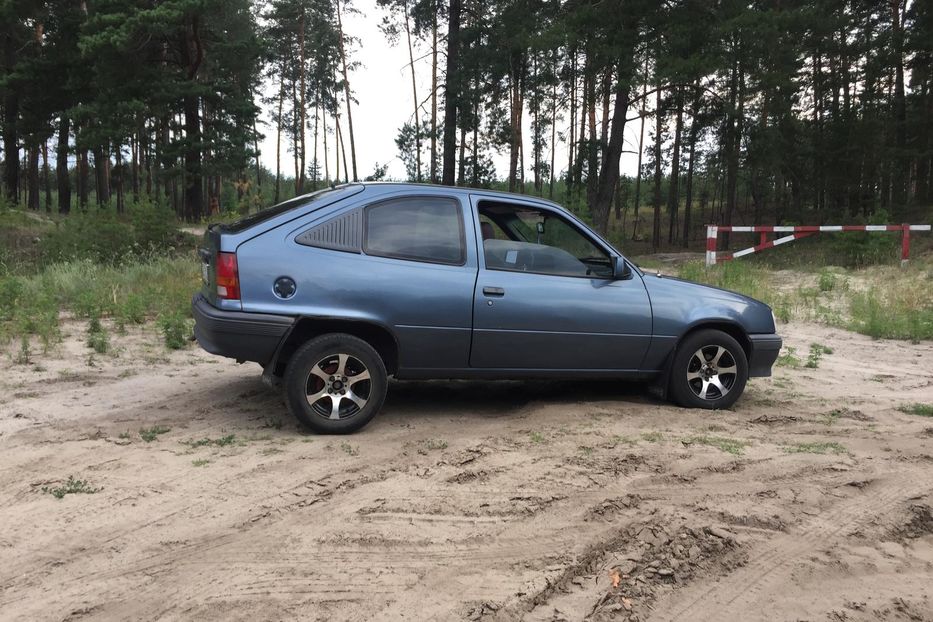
(731,328)
(380,337)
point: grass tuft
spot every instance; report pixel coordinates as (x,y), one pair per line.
(823,447)
(151,434)
(729,445)
(921,410)
(71,487)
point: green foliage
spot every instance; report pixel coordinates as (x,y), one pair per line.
(816,354)
(788,358)
(921,410)
(176,330)
(71,487)
(152,433)
(97,337)
(729,445)
(822,447)
(885,312)
(223,441)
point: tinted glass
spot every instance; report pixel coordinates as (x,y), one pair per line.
(423,229)
(321,196)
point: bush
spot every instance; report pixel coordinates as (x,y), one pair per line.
(176,328)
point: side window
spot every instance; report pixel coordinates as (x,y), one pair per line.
(539,241)
(417,228)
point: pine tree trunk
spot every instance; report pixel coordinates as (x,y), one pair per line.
(414,96)
(451,92)
(346,90)
(32,177)
(278,143)
(10,138)
(301,99)
(641,148)
(61,166)
(434,96)
(688,200)
(46,176)
(656,226)
(673,195)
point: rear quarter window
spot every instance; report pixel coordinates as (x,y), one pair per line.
(426,229)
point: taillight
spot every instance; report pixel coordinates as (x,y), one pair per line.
(228,279)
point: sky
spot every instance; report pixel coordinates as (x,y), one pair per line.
(382,87)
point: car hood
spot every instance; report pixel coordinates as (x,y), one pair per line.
(677,303)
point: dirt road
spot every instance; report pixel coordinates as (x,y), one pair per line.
(810,501)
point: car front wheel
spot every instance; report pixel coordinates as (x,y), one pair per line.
(710,370)
(335,384)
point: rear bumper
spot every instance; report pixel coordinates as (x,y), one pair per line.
(765,350)
(236,334)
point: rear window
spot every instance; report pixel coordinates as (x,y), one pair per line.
(330,194)
(417,228)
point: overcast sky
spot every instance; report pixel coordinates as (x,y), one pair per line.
(382,86)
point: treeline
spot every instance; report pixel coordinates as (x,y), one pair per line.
(751,112)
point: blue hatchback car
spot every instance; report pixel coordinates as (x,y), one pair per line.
(335,291)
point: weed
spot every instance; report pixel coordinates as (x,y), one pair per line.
(151,434)
(921,410)
(71,487)
(823,447)
(586,450)
(537,437)
(200,462)
(816,354)
(827,282)
(125,435)
(97,337)
(652,437)
(789,358)
(729,445)
(268,451)
(832,416)
(176,328)
(349,449)
(216,442)
(24,356)
(273,422)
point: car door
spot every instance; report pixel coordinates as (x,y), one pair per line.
(546,298)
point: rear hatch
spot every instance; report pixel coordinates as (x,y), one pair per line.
(226,237)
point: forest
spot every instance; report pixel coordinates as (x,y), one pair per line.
(762,112)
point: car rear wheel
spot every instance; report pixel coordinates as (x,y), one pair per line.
(335,384)
(710,370)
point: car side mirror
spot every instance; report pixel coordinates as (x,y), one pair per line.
(620,268)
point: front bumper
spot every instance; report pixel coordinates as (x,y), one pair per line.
(236,334)
(764,351)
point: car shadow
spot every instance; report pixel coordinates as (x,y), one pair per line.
(503,397)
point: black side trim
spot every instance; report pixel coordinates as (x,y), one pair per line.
(764,351)
(237,334)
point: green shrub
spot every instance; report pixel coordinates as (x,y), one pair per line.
(176,328)
(97,337)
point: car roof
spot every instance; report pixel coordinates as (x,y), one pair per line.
(501,194)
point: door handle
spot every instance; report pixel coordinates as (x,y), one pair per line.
(494,291)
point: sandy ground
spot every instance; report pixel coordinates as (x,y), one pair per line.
(464,500)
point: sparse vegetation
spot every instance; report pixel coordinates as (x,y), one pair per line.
(652,437)
(433,444)
(97,337)
(921,410)
(816,354)
(223,441)
(729,445)
(537,438)
(349,449)
(200,462)
(152,433)
(788,358)
(71,487)
(818,447)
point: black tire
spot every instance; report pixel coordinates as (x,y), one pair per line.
(692,384)
(306,377)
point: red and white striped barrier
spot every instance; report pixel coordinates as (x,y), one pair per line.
(712,237)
